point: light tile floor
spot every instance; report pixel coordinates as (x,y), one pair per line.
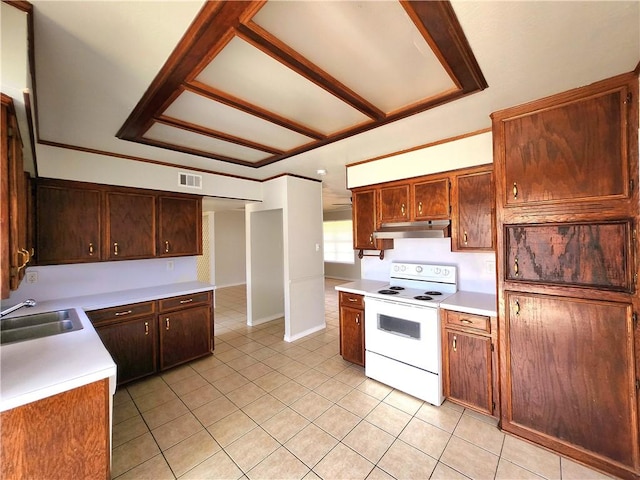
(262,408)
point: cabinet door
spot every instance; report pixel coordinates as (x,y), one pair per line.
(364,222)
(568,374)
(572,151)
(68,225)
(473,218)
(132,346)
(352,334)
(430,199)
(593,254)
(184,335)
(130,226)
(179,226)
(468,370)
(394,204)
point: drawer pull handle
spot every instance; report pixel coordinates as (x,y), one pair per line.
(358,319)
(353,299)
(166,246)
(467,322)
(517,307)
(465,238)
(515,190)
(91,249)
(186,301)
(146,328)
(115,248)
(455,343)
(118,314)
(402,209)
(166,323)
(371,239)
(420,208)
(516,268)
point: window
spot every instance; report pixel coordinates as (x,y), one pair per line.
(338,241)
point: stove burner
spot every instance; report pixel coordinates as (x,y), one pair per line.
(423,297)
(432,293)
(388,292)
(396,288)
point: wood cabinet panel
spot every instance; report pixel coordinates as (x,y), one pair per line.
(68,224)
(469,370)
(394,203)
(593,254)
(179,226)
(352,334)
(574,150)
(63,436)
(121,312)
(467,320)
(570,373)
(473,219)
(132,345)
(185,301)
(130,225)
(430,199)
(184,335)
(364,221)
(352,300)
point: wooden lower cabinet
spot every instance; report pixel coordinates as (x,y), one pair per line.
(352,327)
(569,380)
(184,335)
(469,360)
(146,337)
(63,436)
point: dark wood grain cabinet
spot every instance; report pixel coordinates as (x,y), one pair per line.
(185,326)
(79,222)
(430,199)
(394,203)
(15,245)
(68,224)
(567,212)
(147,337)
(352,327)
(470,360)
(179,226)
(129,333)
(473,218)
(364,203)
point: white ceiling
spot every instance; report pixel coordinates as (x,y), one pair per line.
(95,60)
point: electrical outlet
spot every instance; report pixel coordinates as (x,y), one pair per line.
(490,266)
(32,277)
(169,265)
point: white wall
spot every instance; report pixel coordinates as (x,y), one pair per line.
(228,246)
(63,281)
(303,276)
(466,152)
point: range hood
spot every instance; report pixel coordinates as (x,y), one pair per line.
(429,229)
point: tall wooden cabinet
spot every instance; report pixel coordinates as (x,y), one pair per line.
(15,245)
(566,170)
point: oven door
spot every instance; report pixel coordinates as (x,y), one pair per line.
(404,332)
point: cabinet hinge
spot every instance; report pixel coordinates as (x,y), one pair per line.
(10,132)
(634,317)
(492,349)
(493,406)
(631,185)
(629,97)
(637,384)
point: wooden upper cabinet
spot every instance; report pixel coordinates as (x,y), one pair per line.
(595,255)
(130,225)
(364,221)
(179,226)
(566,362)
(430,199)
(394,203)
(68,224)
(570,147)
(473,219)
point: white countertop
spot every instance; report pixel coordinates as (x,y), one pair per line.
(361,286)
(472,302)
(36,369)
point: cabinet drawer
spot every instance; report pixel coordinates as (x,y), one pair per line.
(477,322)
(351,300)
(184,301)
(123,312)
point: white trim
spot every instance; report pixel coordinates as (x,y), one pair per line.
(305,333)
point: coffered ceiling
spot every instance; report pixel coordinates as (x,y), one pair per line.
(252,83)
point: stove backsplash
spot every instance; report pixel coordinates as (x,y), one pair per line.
(476,271)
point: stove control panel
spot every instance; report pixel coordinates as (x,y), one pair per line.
(422,271)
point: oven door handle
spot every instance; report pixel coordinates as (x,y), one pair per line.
(393,332)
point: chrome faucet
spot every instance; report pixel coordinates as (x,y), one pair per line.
(27,303)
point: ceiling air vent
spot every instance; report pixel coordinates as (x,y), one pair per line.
(190,180)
